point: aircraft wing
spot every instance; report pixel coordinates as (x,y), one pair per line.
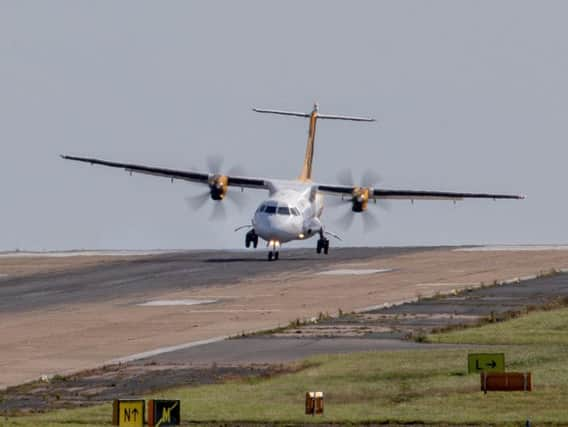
(342,190)
(199,177)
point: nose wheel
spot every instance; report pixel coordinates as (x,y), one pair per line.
(273,253)
(251,238)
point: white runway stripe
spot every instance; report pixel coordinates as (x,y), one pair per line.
(353,272)
(165,303)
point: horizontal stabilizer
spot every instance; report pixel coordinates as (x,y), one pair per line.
(283,113)
(352,118)
(319,116)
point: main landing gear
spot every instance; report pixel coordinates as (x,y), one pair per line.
(323,244)
(274,247)
(251,237)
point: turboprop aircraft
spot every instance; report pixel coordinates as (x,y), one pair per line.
(293,210)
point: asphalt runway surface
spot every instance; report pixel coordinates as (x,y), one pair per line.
(267,350)
(174,271)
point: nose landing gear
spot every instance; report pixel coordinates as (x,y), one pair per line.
(251,237)
(274,246)
(323,244)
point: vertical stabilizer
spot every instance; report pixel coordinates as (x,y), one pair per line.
(306,174)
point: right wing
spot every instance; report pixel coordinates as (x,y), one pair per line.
(344,190)
(199,177)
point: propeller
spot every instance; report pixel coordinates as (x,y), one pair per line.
(218,190)
(359,199)
(370,221)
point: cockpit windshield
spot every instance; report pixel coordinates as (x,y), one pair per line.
(272,208)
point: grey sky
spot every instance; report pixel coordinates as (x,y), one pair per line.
(470,96)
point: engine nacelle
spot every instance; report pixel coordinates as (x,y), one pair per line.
(360,199)
(218,186)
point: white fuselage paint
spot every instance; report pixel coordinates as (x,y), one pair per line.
(292,212)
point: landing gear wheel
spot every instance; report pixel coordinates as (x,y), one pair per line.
(251,237)
(323,244)
(276,256)
(270,254)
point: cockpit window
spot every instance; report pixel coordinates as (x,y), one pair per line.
(295,211)
(283,210)
(271,210)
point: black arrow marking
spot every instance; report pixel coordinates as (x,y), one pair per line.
(492,364)
(135,413)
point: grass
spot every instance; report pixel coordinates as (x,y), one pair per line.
(421,386)
(548,327)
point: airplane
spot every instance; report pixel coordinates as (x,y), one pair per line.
(293,210)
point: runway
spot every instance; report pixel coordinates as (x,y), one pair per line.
(145,275)
(69,318)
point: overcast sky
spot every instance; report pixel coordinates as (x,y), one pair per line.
(469,96)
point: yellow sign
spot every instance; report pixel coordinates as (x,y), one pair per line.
(485,362)
(128,413)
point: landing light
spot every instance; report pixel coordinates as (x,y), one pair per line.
(301,235)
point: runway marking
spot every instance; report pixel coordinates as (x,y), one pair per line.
(513,248)
(353,272)
(162,350)
(166,302)
(65,254)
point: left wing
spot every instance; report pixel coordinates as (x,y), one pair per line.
(199,177)
(342,190)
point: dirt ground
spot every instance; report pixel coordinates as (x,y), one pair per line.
(66,339)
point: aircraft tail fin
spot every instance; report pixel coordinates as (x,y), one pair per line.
(306,174)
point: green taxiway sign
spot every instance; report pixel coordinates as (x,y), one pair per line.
(485,362)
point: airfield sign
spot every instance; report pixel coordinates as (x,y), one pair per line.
(128,413)
(485,362)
